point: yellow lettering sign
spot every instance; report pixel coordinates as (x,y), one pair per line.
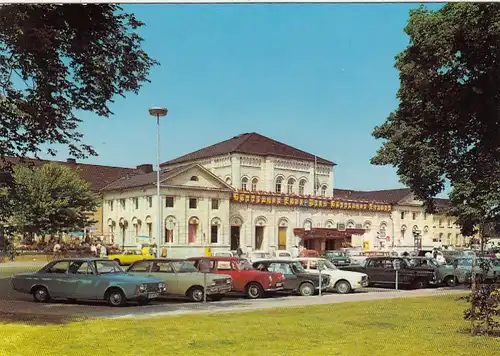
(301,202)
(278,200)
(257,199)
(286,201)
(252,198)
(269,200)
(235,196)
(242,198)
(332,204)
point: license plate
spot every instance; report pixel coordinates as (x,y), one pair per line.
(152,295)
(341,261)
(279,284)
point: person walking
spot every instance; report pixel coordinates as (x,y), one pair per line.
(103,251)
(295,252)
(239,252)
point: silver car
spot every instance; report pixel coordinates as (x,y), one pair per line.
(88,279)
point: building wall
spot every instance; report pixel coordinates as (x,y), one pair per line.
(234,167)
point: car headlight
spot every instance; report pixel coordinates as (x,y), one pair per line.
(143,288)
(270,278)
(161,285)
(213,283)
(228,281)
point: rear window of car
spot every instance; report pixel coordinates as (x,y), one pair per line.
(223,265)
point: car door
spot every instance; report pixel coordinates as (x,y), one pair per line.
(57,279)
(373,268)
(166,271)
(291,282)
(81,281)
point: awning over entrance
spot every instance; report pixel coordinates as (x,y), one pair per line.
(326,233)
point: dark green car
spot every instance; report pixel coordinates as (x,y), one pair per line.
(337,257)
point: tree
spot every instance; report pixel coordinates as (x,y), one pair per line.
(446,127)
(51,199)
(447,124)
(57,59)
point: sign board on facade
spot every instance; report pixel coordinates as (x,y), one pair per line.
(396,264)
(308,202)
(366,245)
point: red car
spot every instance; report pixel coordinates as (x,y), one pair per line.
(246,279)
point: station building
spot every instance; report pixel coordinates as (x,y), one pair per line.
(260,194)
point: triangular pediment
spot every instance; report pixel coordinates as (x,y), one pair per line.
(195,176)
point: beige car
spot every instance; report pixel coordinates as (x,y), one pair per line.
(183,278)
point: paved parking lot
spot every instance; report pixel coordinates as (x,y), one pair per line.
(17,306)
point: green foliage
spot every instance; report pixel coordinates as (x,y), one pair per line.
(50,199)
(56,60)
(447,124)
(484,310)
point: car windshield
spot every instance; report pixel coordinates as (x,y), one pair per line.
(184,267)
(244,265)
(298,267)
(328,264)
(103,267)
(336,254)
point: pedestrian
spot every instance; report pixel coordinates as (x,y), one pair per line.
(57,249)
(103,251)
(239,251)
(295,252)
(93,250)
(435,254)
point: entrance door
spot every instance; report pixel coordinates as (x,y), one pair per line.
(282,238)
(259,237)
(235,237)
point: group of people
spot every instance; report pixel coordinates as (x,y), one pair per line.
(98,250)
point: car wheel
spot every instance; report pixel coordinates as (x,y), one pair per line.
(343,287)
(116,298)
(254,291)
(450,281)
(306,289)
(196,294)
(41,295)
(419,284)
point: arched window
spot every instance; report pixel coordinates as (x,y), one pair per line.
(279,182)
(244,183)
(228,180)
(302,186)
(290,184)
(323,191)
(194,178)
(254,184)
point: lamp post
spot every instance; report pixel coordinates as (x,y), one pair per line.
(157,111)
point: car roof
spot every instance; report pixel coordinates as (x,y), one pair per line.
(161,260)
(80,259)
(275,260)
(214,258)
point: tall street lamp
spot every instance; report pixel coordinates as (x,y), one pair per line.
(157,111)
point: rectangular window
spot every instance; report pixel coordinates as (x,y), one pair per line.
(215,204)
(193,203)
(169,202)
(150,201)
(414,216)
(150,229)
(402,215)
(110,205)
(135,201)
(214,233)
(122,203)
(425,216)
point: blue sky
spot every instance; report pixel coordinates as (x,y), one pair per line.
(315,76)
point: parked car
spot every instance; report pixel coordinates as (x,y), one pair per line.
(342,282)
(256,255)
(445,274)
(245,279)
(359,257)
(87,279)
(465,264)
(338,258)
(183,278)
(309,253)
(297,279)
(224,254)
(380,270)
(129,256)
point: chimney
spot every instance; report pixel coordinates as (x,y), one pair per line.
(145,168)
(71,161)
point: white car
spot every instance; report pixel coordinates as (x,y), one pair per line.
(224,254)
(342,282)
(256,256)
